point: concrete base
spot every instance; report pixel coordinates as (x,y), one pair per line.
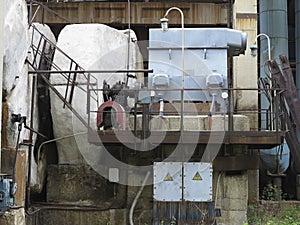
(13,217)
(78,217)
(232,198)
(78,185)
(192,123)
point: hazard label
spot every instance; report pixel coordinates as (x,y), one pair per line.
(197,176)
(168,177)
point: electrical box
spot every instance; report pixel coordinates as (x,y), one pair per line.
(188,181)
(167,181)
(6,197)
(197,182)
(113,175)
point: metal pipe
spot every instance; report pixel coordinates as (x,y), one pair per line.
(161,108)
(136,198)
(57,139)
(273,19)
(269,43)
(271,95)
(34,80)
(209,118)
(128,44)
(212,103)
(182,61)
(30,13)
(274,24)
(90,71)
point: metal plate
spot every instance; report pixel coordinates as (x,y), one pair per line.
(167,181)
(197,182)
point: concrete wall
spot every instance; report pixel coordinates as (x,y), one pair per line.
(245,66)
(14,217)
(231,198)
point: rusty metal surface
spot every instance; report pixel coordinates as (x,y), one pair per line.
(69,78)
(141,12)
(285,80)
(246,16)
(234,163)
(38,71)
(7,164)
(183,213)
(253,139)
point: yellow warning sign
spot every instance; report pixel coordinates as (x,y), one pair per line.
(168,177)
(197,176)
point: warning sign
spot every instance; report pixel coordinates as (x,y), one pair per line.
(168,177)
(197,176)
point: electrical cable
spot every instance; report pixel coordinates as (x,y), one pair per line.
(57,139)
(136,199)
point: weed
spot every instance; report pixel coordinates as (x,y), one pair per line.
(273,215)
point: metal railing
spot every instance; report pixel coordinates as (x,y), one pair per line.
(42,62)
(261,119)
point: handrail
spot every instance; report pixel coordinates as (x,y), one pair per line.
(80,70)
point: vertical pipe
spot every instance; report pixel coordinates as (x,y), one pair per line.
(297,39)
(273,22)
(129,39)
(30,13)
(1,62)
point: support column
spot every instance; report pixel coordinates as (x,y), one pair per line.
(1,64)
(245,66)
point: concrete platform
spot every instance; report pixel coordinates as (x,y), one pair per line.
(192,123)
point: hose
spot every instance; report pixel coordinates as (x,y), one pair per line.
(136,198)
(209,120)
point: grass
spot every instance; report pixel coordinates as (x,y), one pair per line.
(273,213)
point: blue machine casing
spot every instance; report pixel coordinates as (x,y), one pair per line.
(6,198)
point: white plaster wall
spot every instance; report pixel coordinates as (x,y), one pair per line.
(15,80)
(38,169)
(1,63)
(93,47)
(16,84)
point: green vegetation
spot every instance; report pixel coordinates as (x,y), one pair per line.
(272,193)
(273,214)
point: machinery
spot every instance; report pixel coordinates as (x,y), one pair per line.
(7,190)
(199,64)
(190,69)
(205,61)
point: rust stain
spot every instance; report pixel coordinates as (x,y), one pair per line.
(7,163)
(246,16)
(4,141)
(141,12)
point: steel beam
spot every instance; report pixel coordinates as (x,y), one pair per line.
(142,13)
